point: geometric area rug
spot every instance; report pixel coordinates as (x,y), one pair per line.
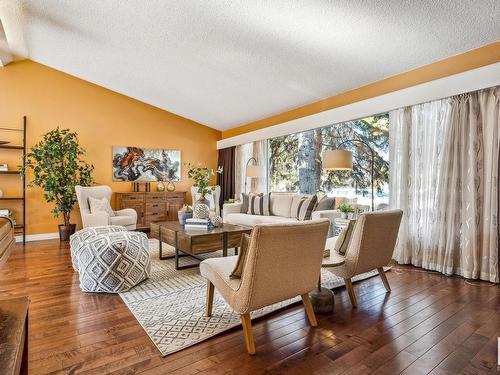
(170,305)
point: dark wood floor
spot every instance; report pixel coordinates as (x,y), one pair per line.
(428,324)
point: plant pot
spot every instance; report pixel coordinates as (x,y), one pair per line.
(350,215)
(65,231)
(343,215)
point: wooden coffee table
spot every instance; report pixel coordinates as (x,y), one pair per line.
(191,242)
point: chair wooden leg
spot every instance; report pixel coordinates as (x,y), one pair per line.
(384,278)
(309,310)
(350,290)
(247,331)
(210,298)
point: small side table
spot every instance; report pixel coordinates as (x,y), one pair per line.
(322,298)
(338,225)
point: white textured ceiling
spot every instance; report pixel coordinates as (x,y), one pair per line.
(224,63)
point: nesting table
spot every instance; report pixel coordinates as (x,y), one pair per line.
(192,242)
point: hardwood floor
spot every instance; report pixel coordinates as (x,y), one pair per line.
(427,324)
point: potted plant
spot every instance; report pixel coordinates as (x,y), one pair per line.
(202,176)
(57,167)
(345,210)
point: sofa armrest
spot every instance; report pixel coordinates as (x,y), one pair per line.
(230,208)
(327,214)
(96,219)
(127,212)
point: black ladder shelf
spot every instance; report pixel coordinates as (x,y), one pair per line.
(19,228)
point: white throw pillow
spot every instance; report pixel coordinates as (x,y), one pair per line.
(295,204)
(306,207)
(258,205)
(281,204)
(100,205)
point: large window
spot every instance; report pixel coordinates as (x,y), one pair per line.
(295,160)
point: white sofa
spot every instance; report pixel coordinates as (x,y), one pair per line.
(283,210)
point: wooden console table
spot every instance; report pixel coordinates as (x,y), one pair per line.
(152,207)
(14,336)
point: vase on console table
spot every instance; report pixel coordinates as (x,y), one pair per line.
(160,186)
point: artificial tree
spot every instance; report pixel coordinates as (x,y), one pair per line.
(57,167)
(202,177)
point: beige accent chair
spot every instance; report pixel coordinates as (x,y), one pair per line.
(371,246)
(283,261)
(126,217)
(213,198)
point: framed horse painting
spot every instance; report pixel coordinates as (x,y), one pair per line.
(146,164)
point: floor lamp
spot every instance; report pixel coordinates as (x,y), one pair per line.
(337,160)
(253,170)
(341,160)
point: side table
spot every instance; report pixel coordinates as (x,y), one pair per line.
(322,298)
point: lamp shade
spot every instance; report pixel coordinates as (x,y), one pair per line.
(340,160)
(254,171)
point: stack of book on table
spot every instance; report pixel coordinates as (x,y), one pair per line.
(200,224)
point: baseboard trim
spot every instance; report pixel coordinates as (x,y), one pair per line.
(38,237)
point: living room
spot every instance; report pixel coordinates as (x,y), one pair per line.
(249,187)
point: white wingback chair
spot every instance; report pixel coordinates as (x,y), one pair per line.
(126,217)
(213,198)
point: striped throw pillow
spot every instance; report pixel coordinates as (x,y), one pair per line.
(259,204)
(306,207)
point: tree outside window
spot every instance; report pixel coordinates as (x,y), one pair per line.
(295,160)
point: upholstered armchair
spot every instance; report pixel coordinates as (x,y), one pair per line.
(282,261)
(371,246)
(213,198)
(126,217)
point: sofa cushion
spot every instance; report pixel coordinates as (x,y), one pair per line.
(217,270)
(306,207)
(325,203)
(297,198)
(252,220)
(102,204)
(281,204)
(258,204)
(245,201)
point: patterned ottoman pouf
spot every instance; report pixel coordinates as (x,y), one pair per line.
(79,238)
(113,262)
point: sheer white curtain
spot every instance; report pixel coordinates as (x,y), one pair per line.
(444,175)
(258,150)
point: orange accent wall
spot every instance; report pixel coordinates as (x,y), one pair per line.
(102,118)
(473,59)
